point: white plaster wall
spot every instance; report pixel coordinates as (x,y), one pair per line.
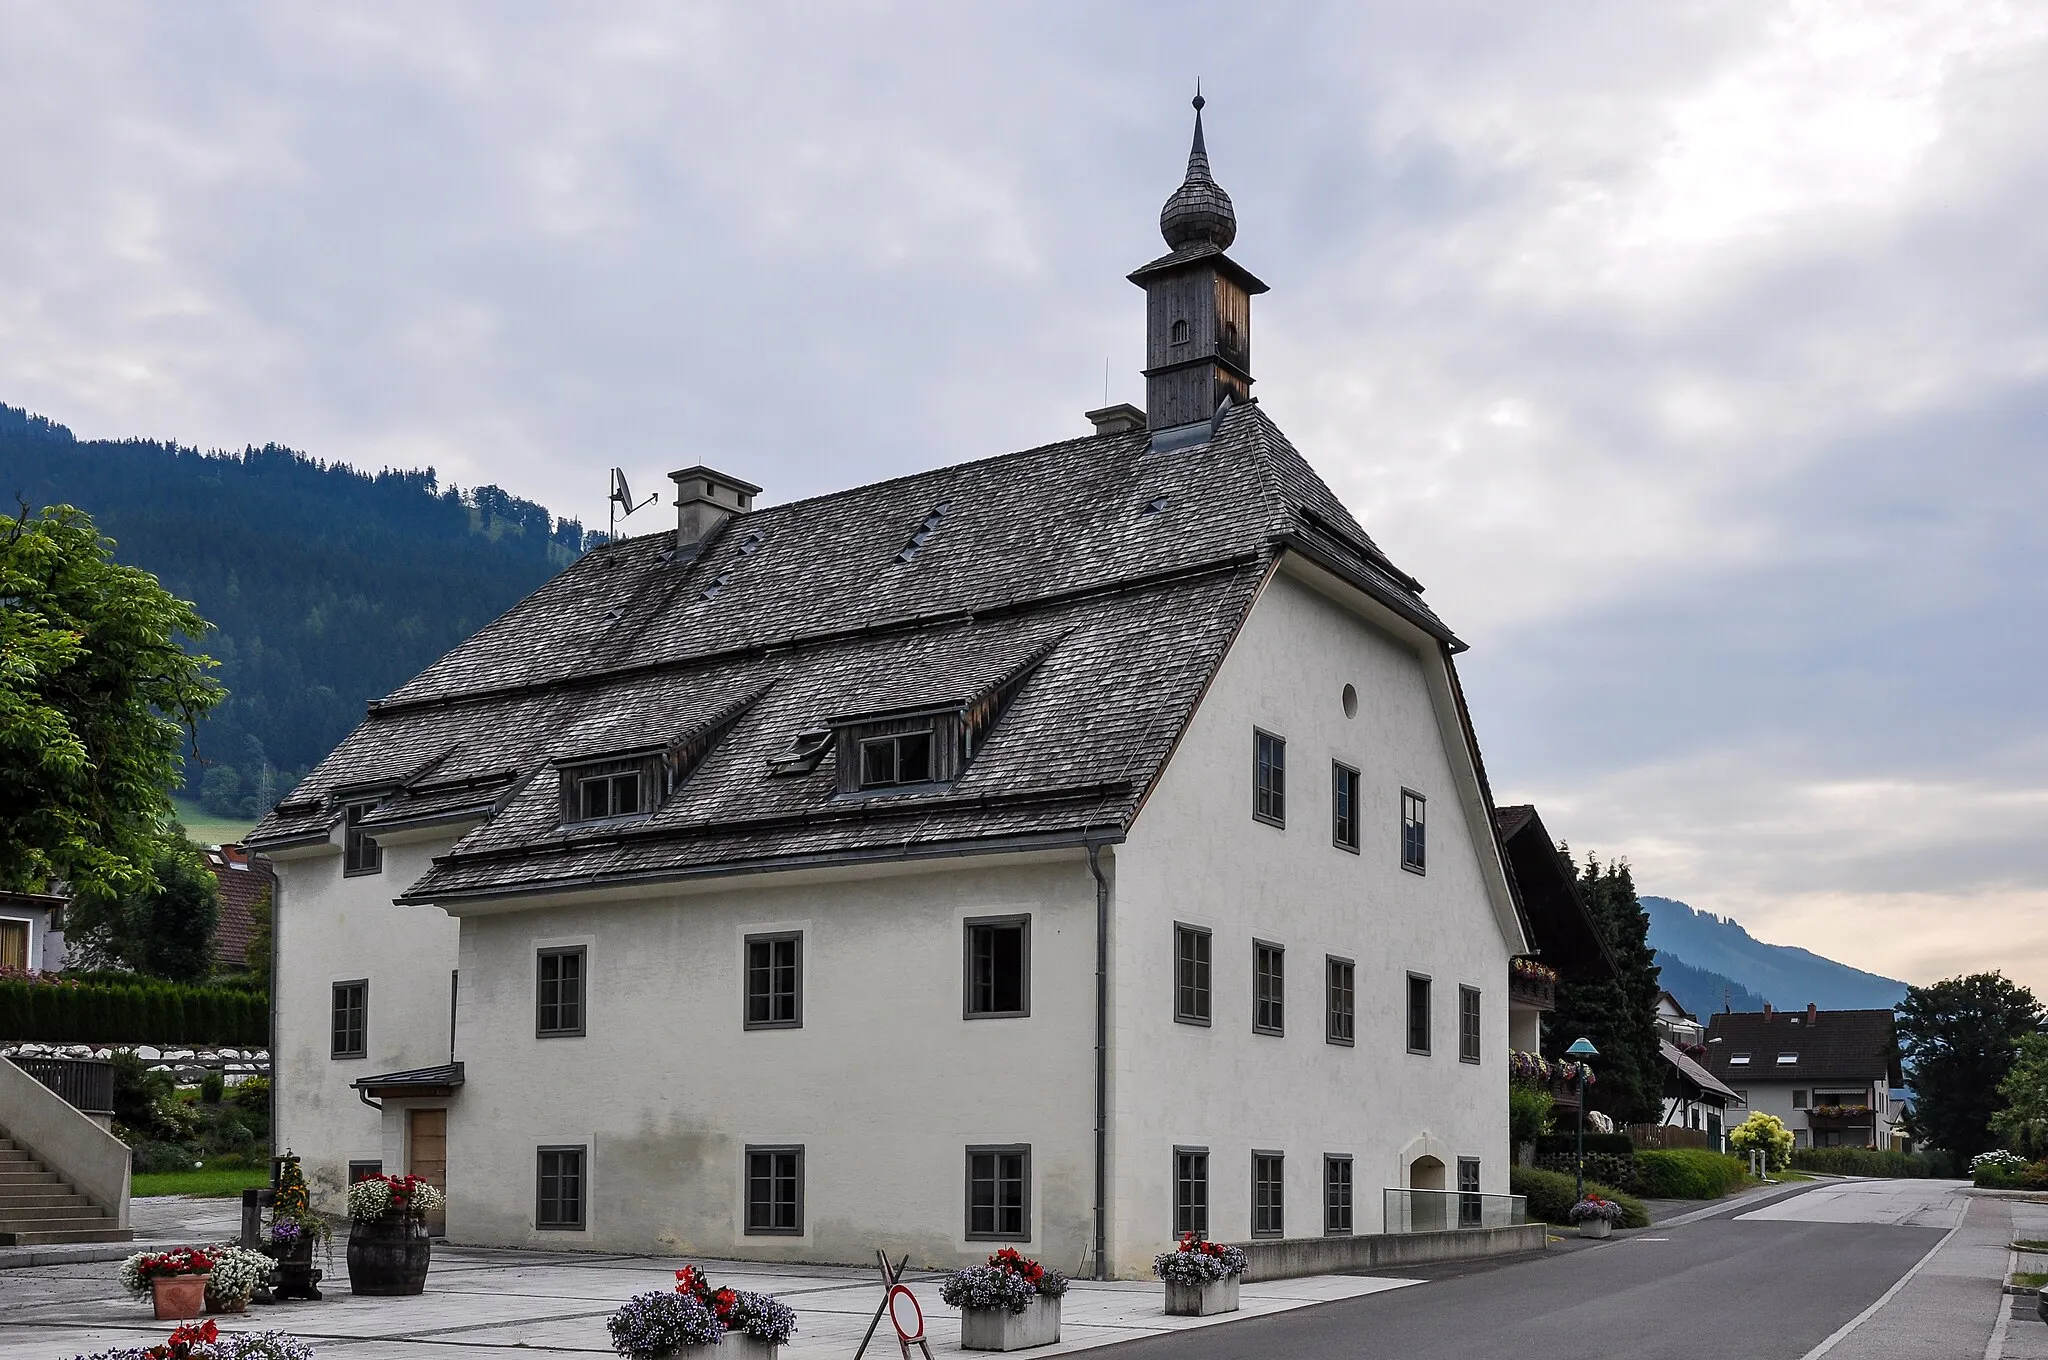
(885,1085)
(331,928)
(1196,855)
(1525,1029)
(1775,1097)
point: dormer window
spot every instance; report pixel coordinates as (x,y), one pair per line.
(898,759)
(599,796)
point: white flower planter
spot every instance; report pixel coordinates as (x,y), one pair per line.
(999,1329)
(736,1346)
(1200,1300)
(1594,1227)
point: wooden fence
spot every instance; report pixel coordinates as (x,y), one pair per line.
(1668,1136)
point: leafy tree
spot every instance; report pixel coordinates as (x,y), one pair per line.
(2023,1123)
(97,699)
(165,929)
(1961,1037)
(1618,1015)
(1765,1133)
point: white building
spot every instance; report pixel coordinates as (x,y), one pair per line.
(32,931)
(1070,849)
(1827,1074)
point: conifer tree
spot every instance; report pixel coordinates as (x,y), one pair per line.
(1619,1015)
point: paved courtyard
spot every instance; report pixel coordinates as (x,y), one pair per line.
(479,1301)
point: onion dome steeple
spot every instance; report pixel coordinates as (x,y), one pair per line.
(1199,213)
(1198,308)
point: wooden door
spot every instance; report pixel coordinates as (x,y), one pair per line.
(426,1144)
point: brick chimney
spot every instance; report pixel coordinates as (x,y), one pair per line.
(706,499)
(1767,1012)
(1812,1014)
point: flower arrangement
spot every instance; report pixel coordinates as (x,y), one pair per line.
(1839,1111)
(205,1341)
(1524,967)
(375,1198)
(1996,1160)
(1592,1206)
(292,1219)
(1533,1069)
(138,1270)
(236,1273)
(662,1322)
(1195,1261)
(761,1316)
(1011,1282)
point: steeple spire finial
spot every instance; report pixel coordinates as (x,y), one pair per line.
(1199,212)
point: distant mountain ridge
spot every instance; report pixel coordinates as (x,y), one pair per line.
(1787,977)
(327,587)
(1702,991)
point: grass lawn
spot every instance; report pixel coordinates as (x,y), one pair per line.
(205,828)
(2029,1279)
(226,1182)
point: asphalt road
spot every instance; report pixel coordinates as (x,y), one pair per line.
(1759,1284)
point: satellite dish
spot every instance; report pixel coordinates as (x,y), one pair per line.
(622,499)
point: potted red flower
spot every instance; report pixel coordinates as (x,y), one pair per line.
(1201,1276)
(174,1280)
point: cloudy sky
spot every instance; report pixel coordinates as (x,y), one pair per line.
(1694,355)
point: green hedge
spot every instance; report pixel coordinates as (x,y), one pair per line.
(1615,1144)
(1688,1173)
(1842,1161)
(139,1010)
(1606,1167)
(1550,1195)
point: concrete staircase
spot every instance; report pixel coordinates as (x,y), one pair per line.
(38,1207)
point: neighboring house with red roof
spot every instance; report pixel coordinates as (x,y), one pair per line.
(247,886)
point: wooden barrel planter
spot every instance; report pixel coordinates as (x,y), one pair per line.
(296,1277)
(389,1256)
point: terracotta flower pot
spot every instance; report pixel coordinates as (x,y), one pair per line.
(178,1297)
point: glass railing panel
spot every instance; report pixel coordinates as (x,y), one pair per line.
(1416,1211)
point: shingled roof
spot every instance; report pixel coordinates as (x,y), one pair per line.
(1112,573)
(1854,1046)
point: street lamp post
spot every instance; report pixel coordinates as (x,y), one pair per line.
(1582,1049)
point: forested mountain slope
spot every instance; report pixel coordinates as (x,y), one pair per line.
(1701,990)
(328,587)
(1786,977)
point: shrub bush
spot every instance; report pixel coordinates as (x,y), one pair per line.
(1551,1196)
(61,1008)
(1529,1114)
(1842,1161)
(1606,1167)
(1688,1173)
(1615,1144)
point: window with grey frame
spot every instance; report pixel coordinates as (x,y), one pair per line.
(349,1033)
(998,967)
(1191,1191)
(999,1193)
(612,794)
(559,975)
(1269,777)
(896,760)
(1471,1210)
(1468,1024)
(1269,988)
(1418,1014)
(1414,832)
(1269,1194)
(362,1171)
(1342,994)
(1336,1195)
(775,1191)
(1343,807)
(360,852)
(559,1187)
(775,981)
(1191,946)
